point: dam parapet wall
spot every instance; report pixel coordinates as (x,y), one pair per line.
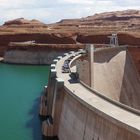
(73,112)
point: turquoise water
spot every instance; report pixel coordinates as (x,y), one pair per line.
(20,89)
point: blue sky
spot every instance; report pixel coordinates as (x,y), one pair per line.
(49,11)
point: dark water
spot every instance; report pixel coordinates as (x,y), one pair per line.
(20,89)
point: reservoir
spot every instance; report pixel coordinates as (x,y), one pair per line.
(20,90)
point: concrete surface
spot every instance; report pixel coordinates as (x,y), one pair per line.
(87,116)
(115,76)
(80,114)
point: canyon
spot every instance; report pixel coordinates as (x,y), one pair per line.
(70,34)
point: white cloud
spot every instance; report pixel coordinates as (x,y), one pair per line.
(52,11)
(15,3)
(77,1)
(28,13)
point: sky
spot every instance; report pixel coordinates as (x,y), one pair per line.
(49,11)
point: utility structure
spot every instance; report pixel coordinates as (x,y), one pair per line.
(114,40)
(90,51)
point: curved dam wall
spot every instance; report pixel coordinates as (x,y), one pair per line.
(116,76)
(79,122)
(72,112)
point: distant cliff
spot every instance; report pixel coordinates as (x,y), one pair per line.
(31,57)
(37,53)
(91,29)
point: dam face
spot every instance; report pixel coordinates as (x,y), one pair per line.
(20,89)
(73,108)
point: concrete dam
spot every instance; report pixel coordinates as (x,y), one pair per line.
(97,98)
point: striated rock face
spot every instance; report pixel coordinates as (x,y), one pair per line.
(39,38)
(22,21)
(128,20)
(124,39)
(120,17)
(37,53)
(31,57)
(96,28)
(125,19)
(91,29)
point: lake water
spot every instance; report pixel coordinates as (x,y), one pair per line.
(20,90)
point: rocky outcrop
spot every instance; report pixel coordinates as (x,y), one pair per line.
(31,57)
(36,54)
(128,20)
(38,37)
(22,21)
(2,50)
(124,39)
(99,39)
(91,29)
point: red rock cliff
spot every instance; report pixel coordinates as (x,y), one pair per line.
(92,29)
